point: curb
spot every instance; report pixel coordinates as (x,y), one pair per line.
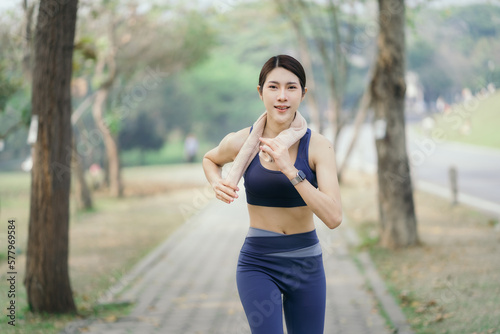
(376,283)
(387,302)
(462,198)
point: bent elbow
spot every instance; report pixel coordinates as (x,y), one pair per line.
(334,222)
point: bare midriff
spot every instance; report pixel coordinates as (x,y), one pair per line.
(282,220)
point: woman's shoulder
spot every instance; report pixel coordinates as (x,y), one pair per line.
(238,138)
(233,141)
(318,141)
(320,148)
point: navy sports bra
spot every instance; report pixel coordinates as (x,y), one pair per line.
(265,187)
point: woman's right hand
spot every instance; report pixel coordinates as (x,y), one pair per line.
(224,191)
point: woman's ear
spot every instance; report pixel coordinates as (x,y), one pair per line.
(260,93)
(304,93)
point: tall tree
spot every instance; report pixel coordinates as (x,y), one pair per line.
(325,25)
(361,114)
(295,19)
(331,28)
(395,194)
(47,278)
(83,192)
(130,63)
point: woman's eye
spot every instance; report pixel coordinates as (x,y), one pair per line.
(292,87)
(272,86)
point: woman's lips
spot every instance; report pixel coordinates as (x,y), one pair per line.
(282,108)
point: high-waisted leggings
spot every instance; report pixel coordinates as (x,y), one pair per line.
(278,272)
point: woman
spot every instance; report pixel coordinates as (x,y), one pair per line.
(280,265)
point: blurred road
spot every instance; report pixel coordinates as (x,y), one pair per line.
(478,168)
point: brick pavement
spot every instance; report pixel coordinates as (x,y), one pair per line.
(188,285)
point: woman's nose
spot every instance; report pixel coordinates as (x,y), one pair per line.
(282,95)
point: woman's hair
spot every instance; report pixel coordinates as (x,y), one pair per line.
(288,63)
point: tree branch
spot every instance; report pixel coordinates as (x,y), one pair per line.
(11,129)
(81,108)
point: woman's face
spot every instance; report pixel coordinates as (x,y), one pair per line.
(281,94)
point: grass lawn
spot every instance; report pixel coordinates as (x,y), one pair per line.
(104,243)
(171,153)
(474,122)
(449,284)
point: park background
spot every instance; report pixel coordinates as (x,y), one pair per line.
(191,70)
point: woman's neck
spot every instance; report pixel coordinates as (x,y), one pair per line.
(273,129)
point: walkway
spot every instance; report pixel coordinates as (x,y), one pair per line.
(187,286)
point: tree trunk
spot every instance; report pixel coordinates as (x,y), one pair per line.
(337,122)
(47,279)
(114,169)
(311,100)
(82,191)
(358,122)
(107,60)
(29,10)
(397,214)
(339,75)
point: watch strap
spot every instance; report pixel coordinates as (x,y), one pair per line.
(299,178)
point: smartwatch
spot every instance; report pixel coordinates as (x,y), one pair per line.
(301,176)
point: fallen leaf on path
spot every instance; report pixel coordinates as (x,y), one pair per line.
(442,316)
(111,318)
(431,303)
(415,304)
(421,309)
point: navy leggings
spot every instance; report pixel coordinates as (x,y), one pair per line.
(277,273)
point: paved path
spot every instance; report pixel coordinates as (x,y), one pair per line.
(187,286)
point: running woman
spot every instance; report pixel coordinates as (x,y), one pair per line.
(280,267)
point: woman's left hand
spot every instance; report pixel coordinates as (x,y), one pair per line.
(279,152)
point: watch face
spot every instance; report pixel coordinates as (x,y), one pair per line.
(302,175)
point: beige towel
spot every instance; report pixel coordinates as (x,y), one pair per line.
(251,146)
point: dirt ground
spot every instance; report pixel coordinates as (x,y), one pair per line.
(449,284)
(106,242)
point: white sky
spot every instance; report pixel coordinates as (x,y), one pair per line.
(9,4)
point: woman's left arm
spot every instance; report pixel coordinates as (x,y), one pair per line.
(325,201)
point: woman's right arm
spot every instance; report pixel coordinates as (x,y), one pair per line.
(215,159)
